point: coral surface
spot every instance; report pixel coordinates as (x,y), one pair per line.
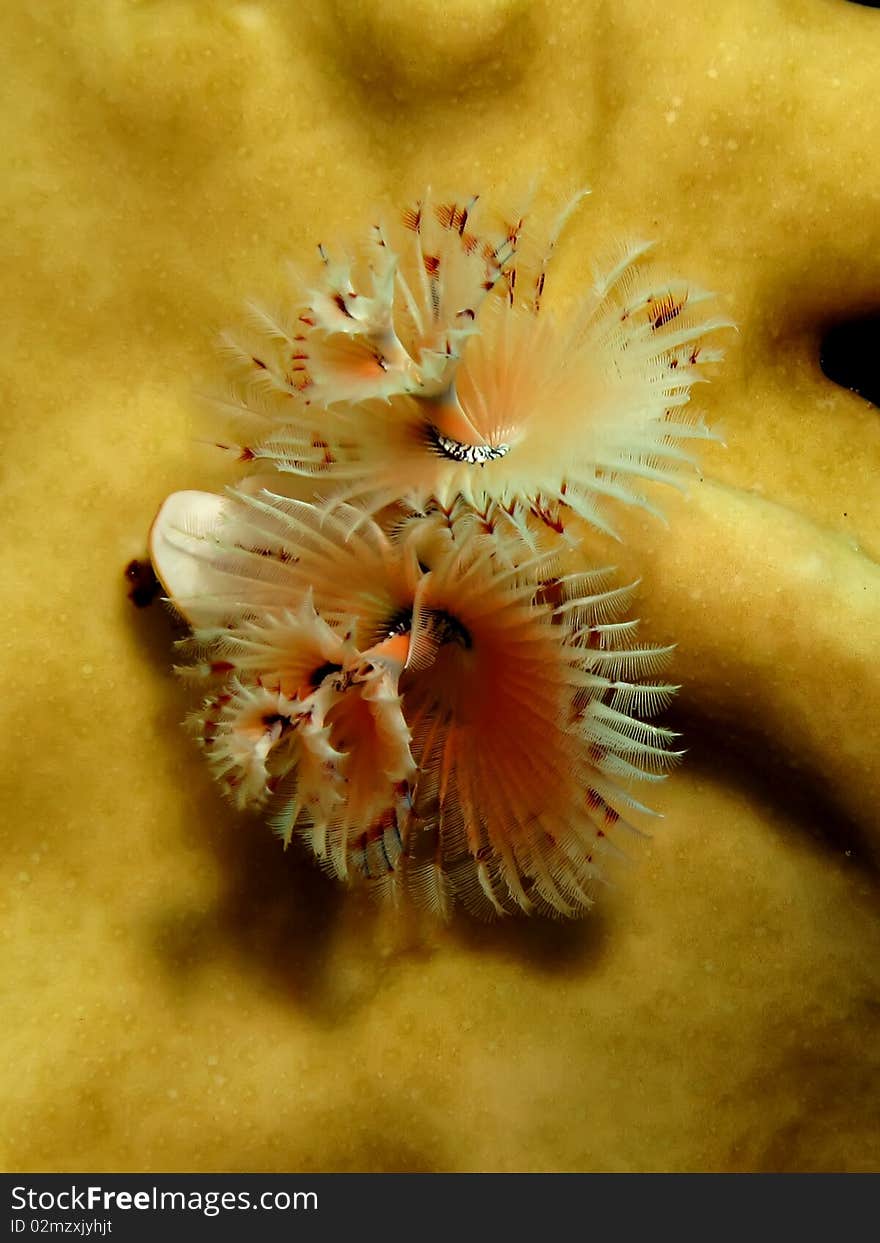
(179,993)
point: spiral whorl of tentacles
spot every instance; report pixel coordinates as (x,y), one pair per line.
(414,673)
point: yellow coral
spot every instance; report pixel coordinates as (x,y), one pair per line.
(179,994)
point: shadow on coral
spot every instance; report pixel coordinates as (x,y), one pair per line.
(850,356)
(281,915)
(275,909)
(393,63)
(539,944)
(822,1095)
(275,913)
(397,1137)
(803,797)
(153,625)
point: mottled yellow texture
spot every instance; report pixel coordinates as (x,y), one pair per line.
(178,993)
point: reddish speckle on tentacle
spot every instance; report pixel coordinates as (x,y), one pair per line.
(665,308)
(539,291)
(451,216)
(412,218)
(343,306)
(550,513)
(327,456)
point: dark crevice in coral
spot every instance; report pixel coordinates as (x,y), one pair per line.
(850,355)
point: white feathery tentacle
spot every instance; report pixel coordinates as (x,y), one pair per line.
(433,707)
(436,371)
